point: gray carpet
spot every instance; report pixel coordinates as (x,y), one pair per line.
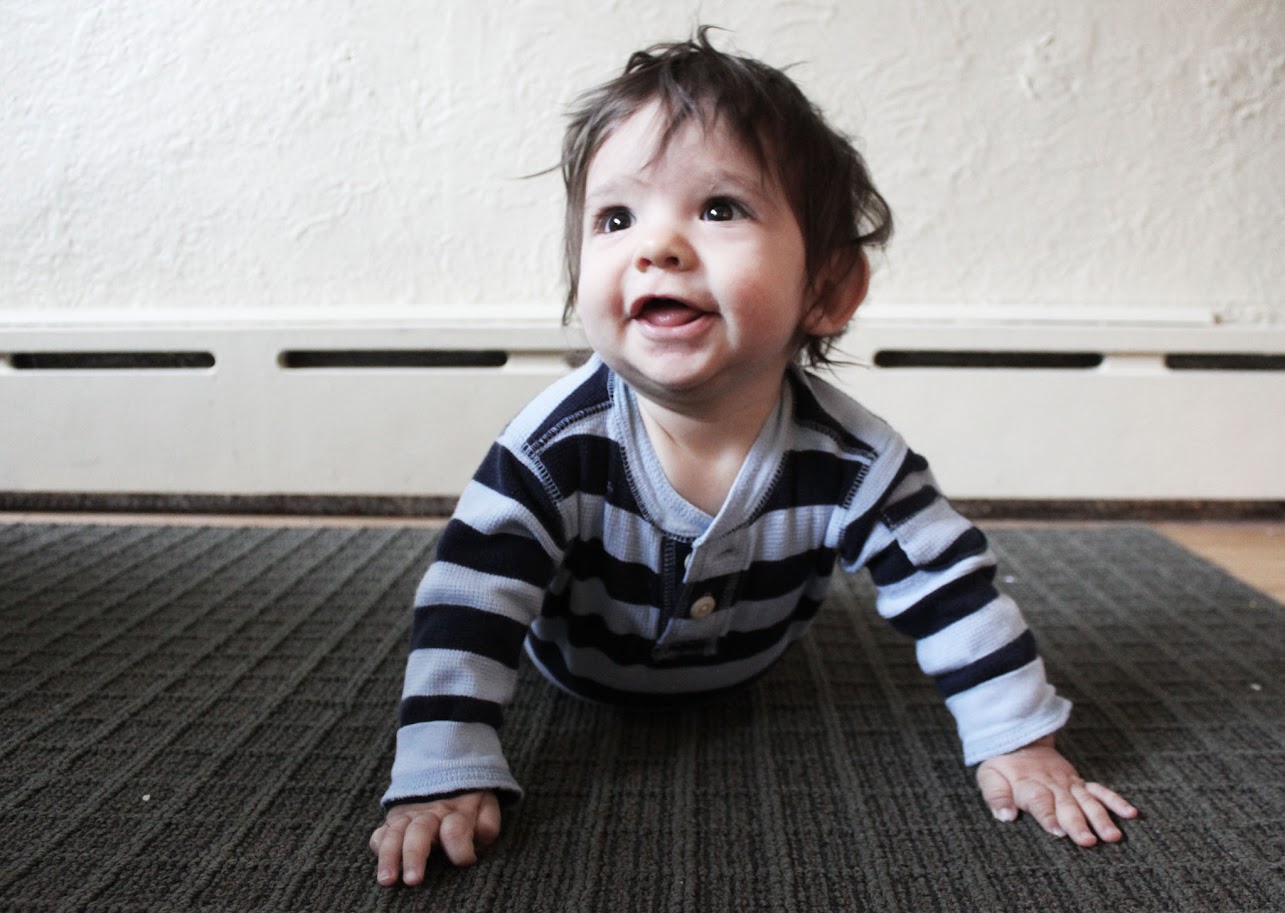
(202,719)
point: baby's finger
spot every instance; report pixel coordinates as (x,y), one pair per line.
(1112,800)
(997,793)
(1043,807)
(377,838)
(488,821)
(1070,815)
(416,845)
(389,852)
(457,838)
(1098,816)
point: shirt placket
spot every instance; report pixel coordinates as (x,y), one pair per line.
(705,582)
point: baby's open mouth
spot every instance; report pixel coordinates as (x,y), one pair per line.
(668,312)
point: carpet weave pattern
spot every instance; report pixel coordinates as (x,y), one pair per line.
(201,718)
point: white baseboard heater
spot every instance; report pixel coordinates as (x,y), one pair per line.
(1079,406)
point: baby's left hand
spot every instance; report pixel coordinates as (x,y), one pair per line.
(1038,780)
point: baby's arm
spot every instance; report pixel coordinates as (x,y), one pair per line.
(1039,780)
(459,825)
(493,565)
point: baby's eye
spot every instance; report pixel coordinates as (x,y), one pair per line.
(721,209)
(613,220)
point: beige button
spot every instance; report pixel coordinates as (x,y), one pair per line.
(703,607)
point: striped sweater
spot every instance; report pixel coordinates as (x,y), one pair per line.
(570,542)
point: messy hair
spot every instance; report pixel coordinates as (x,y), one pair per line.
(824,177)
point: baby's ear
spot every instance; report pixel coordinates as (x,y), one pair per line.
(840,290)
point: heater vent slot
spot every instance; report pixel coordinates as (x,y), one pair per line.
(392,358)
(924,358)
(1224,361)
(111,361)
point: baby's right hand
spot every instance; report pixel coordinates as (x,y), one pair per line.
(459,825)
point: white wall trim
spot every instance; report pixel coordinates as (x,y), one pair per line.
(1129,427)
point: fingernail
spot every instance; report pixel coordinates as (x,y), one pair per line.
(1058,832)
(1005,814)
(384,874)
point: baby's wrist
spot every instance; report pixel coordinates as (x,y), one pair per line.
(1045,741)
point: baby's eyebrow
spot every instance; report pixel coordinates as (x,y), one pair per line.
(613,186)
(754,188)
(723,178)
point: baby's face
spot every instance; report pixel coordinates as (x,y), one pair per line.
(692,264)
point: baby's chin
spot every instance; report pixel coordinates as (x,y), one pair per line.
(658,385)
(685,393)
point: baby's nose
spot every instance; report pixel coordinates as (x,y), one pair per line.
(665,248)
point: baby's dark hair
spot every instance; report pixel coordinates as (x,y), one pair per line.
(824,177)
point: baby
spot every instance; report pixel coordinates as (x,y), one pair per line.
(659,526)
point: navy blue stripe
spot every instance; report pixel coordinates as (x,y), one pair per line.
(503,472)
(811,477)
(911,464)
(625,581)
(855,535)
(947,605)
(581,463)
(1008,658)
(457,627)
(738,645)
(509,555)
(449,708)
(896,514)
(808,412)
(892,565)
(772,579)
(550,657)
(969,545)
(589,464)
(591,396)
(591,632)
(638,584)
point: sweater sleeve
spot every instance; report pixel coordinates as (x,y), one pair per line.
(935,575)
(494,562)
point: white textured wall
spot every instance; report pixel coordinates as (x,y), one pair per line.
(333,154)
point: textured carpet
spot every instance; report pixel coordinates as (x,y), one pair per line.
(202,719)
